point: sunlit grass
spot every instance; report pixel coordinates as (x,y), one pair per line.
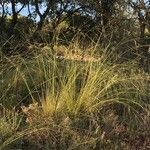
(55,93)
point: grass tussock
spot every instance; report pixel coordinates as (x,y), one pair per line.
(70,103)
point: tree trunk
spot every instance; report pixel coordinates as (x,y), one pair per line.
(14,18)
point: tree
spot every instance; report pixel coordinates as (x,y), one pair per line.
(4,12)
(15,13)
(142,8)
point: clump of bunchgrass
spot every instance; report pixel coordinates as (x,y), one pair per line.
(79,102)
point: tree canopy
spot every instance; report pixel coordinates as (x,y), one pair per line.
(112,20)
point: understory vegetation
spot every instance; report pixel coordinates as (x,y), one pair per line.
(49,102)
(74,75)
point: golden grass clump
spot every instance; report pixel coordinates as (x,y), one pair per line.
(75,101)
